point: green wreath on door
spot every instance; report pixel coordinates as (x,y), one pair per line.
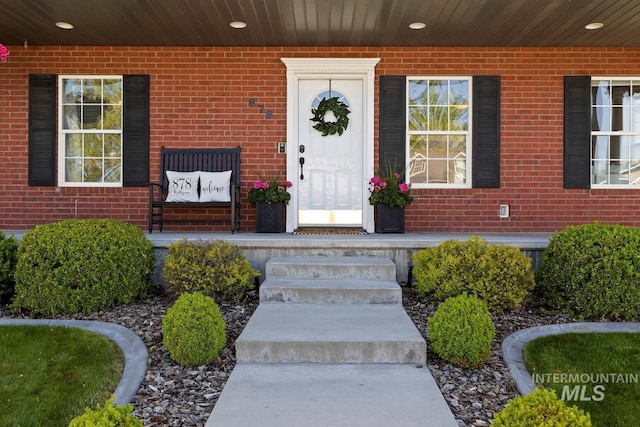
(339,110)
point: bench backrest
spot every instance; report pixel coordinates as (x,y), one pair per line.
(199,159)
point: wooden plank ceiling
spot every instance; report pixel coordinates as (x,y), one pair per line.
(525,23)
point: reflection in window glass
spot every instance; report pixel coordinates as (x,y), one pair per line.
(439,128)
(615,132)
(91,130)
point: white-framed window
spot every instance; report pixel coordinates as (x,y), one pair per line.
(615,132)
(439,131)
(90,130)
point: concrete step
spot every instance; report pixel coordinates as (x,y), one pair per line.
(331,291)
(318,395)
(331,333)
(339,267)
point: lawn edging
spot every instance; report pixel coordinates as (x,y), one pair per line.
(133,348)
(513,346)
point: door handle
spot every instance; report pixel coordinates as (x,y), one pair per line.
(301,168)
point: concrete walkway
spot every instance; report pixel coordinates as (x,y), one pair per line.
(330,345)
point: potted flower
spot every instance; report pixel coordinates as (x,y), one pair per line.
(389,195)
(269,197)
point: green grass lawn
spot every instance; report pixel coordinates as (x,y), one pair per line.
(49,375)
(597,372)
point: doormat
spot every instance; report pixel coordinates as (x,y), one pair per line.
(329,231)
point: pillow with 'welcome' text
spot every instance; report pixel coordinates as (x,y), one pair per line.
(215,186)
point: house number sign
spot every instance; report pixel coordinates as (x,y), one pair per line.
(253,103)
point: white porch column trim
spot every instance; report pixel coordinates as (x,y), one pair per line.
(335,67)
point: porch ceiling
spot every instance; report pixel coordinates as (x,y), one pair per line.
(525,23)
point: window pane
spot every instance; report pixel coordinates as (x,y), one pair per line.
(93,170)
(459,92)
(634,171)
(418,158)
(112,171)
(70,117)
(418,118)
(437,171)
(437,147)
(418,92)
(457,146)
(459,118)
(113,91)
(73,169)
(91,117)
(112,117)
(92,91)
(112,145)
(439,118)
(72,91)
(93,145)
(73,145)
(439,92)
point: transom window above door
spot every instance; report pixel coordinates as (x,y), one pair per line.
(439,131)
(90,131)
(615,132)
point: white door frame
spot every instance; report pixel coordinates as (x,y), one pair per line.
(298,68)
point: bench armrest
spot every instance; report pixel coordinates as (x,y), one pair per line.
(155,189)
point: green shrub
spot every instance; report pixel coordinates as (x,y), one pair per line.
(500,275)
(592,271)
(541,409)
(108,415)
(82,266)
(461,331)
(8,260)
(194,330)
(216,268)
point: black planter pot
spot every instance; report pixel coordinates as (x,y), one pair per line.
(269,217)
(389,219)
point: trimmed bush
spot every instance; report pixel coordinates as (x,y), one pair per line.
(461,331)
(82,266)
(108,415)
(8,261)
(216,268)
(500,275)
(592,271)
(541,409)
(194,330)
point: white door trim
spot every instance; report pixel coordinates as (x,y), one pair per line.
(362,68)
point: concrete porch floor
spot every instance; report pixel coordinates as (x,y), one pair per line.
(259,247)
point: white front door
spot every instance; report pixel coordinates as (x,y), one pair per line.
(330,179)
(331,187)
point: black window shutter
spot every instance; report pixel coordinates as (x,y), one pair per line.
(392,125)
(42,129)
(577,131)
(486,132)
(135,132)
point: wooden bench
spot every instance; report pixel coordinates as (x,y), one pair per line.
(192,160)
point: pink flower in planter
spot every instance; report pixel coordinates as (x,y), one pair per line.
(4,52)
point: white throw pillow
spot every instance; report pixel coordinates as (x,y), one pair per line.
(215,186)
(183,186)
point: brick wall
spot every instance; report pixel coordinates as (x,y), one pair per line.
(200,97)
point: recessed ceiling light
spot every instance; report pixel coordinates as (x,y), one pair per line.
(238,24)
(64,25)
(594,26)
(417,25)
